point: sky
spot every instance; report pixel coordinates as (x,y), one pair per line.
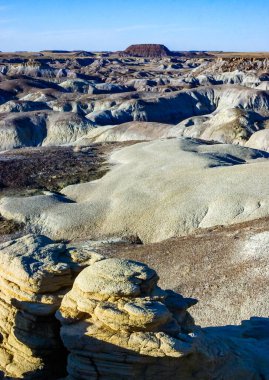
(110,25)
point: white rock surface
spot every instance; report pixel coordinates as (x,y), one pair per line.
(156,190)
(259,140)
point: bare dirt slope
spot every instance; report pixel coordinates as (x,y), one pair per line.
(225,268)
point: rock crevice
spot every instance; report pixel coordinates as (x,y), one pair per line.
(35,273)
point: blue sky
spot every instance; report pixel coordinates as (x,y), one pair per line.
(230,25)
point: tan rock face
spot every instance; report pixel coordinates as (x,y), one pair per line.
(119,314)
(35,273)
(118,324)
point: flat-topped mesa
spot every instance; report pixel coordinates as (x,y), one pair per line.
(148,51)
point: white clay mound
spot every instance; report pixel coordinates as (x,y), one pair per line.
(155,190)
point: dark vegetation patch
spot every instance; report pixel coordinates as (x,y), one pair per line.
(8,227)
(30,171)
(52,168)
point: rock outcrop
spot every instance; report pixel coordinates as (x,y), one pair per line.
(259,140)
(22,129)
(57,100)
(118,324)
(148,51)
(35,273)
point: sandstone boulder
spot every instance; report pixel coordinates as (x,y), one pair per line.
(35,274)
(123,322)
(118,324)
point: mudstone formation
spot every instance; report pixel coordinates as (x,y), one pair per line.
(156,147)
(143,93)
(147,51)
(116,322)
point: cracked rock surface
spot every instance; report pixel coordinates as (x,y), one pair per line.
(118,324)
(35,275)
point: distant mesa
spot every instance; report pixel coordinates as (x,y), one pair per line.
(159,51)
(147,51)
(55,51)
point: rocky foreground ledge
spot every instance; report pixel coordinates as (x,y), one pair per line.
(116,323)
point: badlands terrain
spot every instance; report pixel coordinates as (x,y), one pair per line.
(146,155)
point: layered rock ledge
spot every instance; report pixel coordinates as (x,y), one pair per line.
(147,50)
(118,324)
(35,273)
